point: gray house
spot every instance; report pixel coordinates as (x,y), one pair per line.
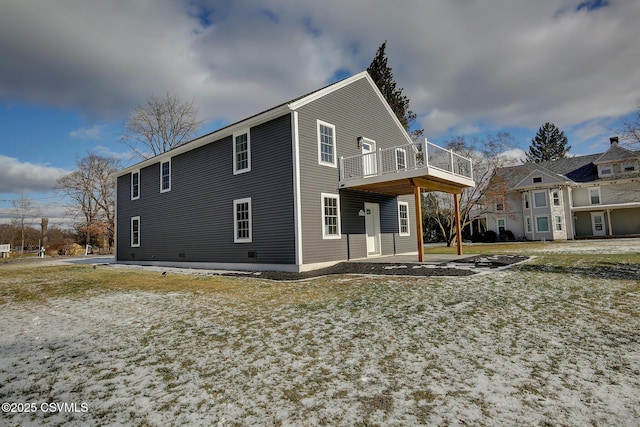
(591,196)
(324,178)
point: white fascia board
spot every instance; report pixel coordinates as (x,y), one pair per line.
(210,137)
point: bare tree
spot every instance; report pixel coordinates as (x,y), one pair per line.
(630,130)
(24,212)
(91,188)
(160,125)
(486,155)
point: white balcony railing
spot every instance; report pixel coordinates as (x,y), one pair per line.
(405,158)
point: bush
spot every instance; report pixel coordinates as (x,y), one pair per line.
(477,237)
(507,236)
(490,236)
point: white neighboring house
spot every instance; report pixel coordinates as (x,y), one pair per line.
(596,195)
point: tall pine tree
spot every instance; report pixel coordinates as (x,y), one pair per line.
(381,74)
(550,143)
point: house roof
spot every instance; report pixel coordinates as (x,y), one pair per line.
(616,153)
(263,117)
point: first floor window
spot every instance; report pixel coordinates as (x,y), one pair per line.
(242,221)
(330,216)
(165,176)
(135,232)
(502,224)
(542,224)
(528,220)
(135,185)
(558,223)
(403,218)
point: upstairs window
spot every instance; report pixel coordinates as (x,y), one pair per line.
(500,203)
(526,200)
(242,221)
(241,153)
(605,170)
(556,198)
(326,144)
(330,216)
(629,167)
(537,179)
(401,158)
(594,196)
(135,185)
(540,199)
(403,218)
(165,176)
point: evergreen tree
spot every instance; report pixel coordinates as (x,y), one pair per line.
(381,74)
(550,143)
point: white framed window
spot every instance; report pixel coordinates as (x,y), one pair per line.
(540,199)
(135,232)
(557,200)
(165,176)
(401,158)
(594,196)
(135,185)
(542,224)
(557,222)
(605,170)
(629,167)
(500,203)
(537,179)
(241,152)
(330,216)
(403,219)
(502,224)
(526,200)
(528,222)
(242,228)
(326,144)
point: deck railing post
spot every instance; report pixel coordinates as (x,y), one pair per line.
(341,168)
(425,154)
(379,161)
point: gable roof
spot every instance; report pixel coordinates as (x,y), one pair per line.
(265,116)
(616,153)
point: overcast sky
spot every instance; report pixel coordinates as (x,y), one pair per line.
(71,71)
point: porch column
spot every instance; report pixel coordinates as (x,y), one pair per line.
(418,200)
(609,222)
(456,203)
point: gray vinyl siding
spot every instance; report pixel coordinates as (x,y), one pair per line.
(194,221)
(355,110)
(353,225)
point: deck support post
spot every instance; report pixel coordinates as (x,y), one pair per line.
(456,203)
(418,201)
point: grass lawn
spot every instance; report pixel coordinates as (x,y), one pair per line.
(555,341)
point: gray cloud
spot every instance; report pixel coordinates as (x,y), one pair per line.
(24,177)
(463,64)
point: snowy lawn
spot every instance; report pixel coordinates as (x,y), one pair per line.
(555,341)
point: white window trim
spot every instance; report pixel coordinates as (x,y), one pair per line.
(549,224)
(135,245)
(235,221)
(556,223)
(237,171)
(334,163)
(527,224)
(330,236)
(546,201)
(404,153)
(599,196)
(165,190)
(136,172)
(553,199)
(527,201)
(498,223)
(400,232)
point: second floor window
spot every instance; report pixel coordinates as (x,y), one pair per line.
(241,153)
(135,185)
(556,198)
(165,176)
(540,199)
(401,158)
(594,196)
(326,144)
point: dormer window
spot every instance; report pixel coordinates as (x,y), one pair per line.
(537,179)
(605,170)
(629,167)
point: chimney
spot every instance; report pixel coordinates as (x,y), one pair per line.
(613,140)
